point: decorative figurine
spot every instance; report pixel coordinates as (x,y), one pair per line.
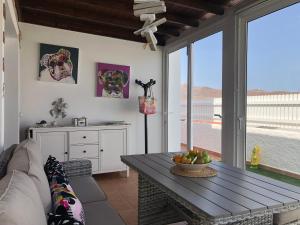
(255,157)
(58,110)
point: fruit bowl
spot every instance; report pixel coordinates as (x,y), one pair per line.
(192,160)
(192,167)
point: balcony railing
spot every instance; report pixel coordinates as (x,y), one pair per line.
(270,111)
(273,123)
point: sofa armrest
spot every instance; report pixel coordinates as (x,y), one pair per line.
(82,167)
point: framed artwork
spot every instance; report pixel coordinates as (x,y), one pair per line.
(112,80)
(58,64)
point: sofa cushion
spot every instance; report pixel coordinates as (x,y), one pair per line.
(27,158)
(86,189)
(5,156)
(65,202)
(20,203)
(19,161)
(54,219)
(55,172)
(101,213)
(286,217)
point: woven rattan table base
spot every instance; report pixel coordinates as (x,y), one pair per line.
(158,207)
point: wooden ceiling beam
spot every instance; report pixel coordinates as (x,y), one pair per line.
(176,19)
(120,4)
(105,7)
(199,5)
(131,24)
(59,21)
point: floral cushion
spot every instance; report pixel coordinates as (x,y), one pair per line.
(65,202)
(55,172)
(54,219)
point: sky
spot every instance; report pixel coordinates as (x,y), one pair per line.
(273,54)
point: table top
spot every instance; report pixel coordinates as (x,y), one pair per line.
(232,192)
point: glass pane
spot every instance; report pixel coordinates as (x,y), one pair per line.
(177,101)
(207,94)
(273,98)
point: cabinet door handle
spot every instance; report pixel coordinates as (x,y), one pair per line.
(84,151)
(84,137)
(101,150)
(66,153)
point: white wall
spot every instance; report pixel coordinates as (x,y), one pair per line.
(36,96)
(12,91)
(2,24)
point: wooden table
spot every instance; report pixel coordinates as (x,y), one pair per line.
(234,196)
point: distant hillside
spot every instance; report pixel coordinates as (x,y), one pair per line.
(201,92)
(206,92)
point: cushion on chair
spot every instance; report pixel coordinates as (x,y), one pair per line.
(20,203)
(87,189)
(55,172)
(5,156)
(101,213)
(286,217)
(54,219)
(65,202)
(28,159)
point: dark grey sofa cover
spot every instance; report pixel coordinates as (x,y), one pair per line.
(101,213)
(87,189)
(96,208)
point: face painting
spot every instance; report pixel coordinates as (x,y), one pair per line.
(59,64)
(114,82)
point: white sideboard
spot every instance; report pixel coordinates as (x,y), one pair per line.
(102,145)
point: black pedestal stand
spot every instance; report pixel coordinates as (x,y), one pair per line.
(146,88)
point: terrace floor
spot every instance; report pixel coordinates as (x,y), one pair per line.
(122,194)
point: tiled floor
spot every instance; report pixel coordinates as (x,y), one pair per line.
(122,193)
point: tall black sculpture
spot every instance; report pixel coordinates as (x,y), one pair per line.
(146,87)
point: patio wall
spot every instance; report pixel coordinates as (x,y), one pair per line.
(273,124)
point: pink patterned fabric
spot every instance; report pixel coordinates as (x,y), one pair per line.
(66,202)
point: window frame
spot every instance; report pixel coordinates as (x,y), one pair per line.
(211,29)
(234,89)
(243,17)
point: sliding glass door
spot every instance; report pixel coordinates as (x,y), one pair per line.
(177,100)
(272,137)
(207,94)
(195,96)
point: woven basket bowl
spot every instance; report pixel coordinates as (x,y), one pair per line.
(192,167)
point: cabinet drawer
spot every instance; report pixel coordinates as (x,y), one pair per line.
(84,151)
(83,137)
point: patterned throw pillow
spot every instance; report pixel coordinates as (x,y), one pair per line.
(55,172)
(54,219)
(65,202)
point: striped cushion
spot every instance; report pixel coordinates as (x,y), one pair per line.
(5,157)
